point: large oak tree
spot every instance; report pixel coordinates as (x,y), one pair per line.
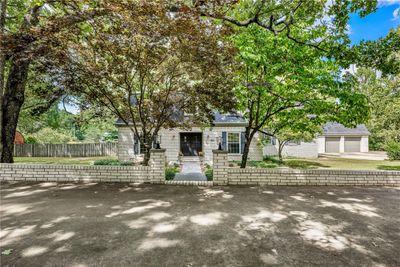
(28,36)
(150,66)
(275,77)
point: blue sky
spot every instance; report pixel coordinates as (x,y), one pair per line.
(377,24)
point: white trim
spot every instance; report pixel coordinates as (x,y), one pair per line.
(240,143)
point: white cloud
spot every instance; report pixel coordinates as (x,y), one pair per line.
(348,29)
(388,2)
(396,14)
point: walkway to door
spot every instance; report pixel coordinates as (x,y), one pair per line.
(191,170)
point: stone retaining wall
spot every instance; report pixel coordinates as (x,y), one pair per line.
(224,175)
(68,173)
(154,173)
(312,177)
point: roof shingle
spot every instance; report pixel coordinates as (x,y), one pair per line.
(334,128)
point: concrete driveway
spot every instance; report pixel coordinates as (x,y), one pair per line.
(52,224)
(372,155)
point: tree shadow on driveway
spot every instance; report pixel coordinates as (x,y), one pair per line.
(49,224)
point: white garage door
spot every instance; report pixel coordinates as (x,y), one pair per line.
(352,144)
(332,144)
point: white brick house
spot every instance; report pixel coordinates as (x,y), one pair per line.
(229,130)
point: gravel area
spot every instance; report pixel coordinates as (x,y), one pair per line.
(49,224)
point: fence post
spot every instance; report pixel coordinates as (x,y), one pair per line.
(220,167)
(157,165)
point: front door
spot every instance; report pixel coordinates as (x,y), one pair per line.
(191,143)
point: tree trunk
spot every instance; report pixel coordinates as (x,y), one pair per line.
(280,149)
(12,101)
(148,142)
(280,152)
(146,157)
(248,136)
(3,5)
(245,155)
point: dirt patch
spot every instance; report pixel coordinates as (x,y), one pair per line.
(48,224)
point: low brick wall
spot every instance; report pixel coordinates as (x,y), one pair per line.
(154,173)
(69,173)
(311,177)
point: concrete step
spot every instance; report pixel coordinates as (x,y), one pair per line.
(198,183)
(190,159)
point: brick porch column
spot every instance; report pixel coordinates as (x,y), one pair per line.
(220,167)
(157,165)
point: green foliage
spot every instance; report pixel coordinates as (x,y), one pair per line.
(273,159)
(90,125)
(209,173)
(388,168)
(382,54)
(393,150)
(111,136)
(290,89)
(49,136)
(151,68)
(31,140)
(170,172)
(268,162)
(383,96)
(112,162)
(7,252)
(261,164)
(303,164)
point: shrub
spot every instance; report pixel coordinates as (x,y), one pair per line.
(273,159)
(393,150)
(51,136)
(388,168)
(170,172)
(303,164)
(261,164)
(209,173)
(126,163)
(31,140)
(112,162)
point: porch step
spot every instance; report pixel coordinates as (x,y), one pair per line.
(198,183)
(190,159)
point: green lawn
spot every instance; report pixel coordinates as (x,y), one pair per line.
(320,163)
(60,161)
(324,163)
(344,164)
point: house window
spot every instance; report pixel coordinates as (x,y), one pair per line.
(233,143)
(139,149)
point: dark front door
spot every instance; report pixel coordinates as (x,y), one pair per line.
(191,143)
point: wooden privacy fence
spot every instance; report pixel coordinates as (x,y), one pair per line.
(66,150)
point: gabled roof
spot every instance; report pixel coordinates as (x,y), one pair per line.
(334,128)
(219,120)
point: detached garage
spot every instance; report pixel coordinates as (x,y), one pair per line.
(332,144)
(337,138)
(352,144)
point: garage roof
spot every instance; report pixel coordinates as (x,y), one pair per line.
(334,128)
